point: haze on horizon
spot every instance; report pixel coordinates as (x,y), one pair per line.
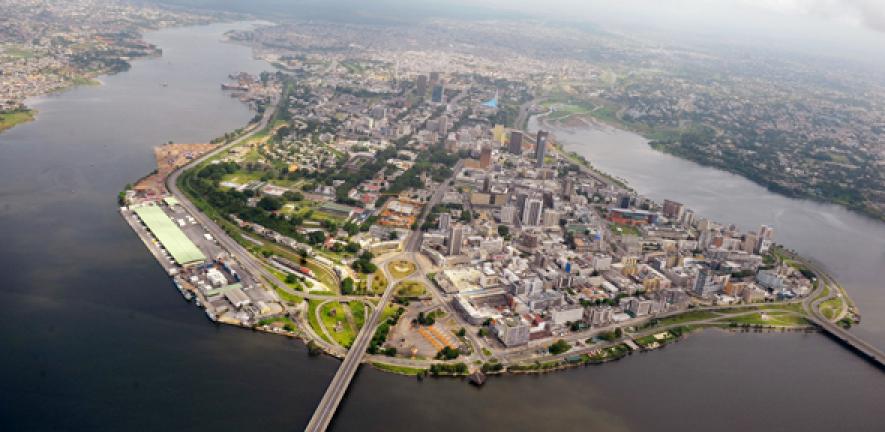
(840,29)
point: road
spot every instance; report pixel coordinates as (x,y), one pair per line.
(413,243)
(340,382)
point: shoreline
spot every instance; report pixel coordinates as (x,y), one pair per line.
(584,121)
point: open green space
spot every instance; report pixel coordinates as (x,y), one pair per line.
(777,319)
(313,321)
(401,268)
(335,320)
(624,229)
(683,318)
(10,119)
(831,308)
(402,370)
(358,309)
(410,289)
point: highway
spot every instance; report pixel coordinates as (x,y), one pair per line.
(413,243)
(324,412)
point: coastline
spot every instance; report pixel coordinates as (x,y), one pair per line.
(589,120)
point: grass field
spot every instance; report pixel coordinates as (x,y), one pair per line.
(401,269)
(686,317)
(335,320)
(769,319)
(358,309)
(831,308)
(402,370)
(624,229)
(410,289)
(10,119)
(312,319)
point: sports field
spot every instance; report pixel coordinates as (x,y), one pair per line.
(183,250)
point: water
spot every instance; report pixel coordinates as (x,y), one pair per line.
(850,246)
(96,338)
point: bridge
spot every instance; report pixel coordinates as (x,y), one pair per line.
(849,340)
(341,381)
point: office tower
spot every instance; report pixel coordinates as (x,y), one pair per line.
(445,219)
(520,203)
(672,209)
(515,145)
(456,235)
(751,241)
(624,201)
(508,214)
(438,93)
(540,148)
(421,85)
(568,186)
(531,213)
(765,239)
(551,218)
(485,157)
(443,125)
(434,78)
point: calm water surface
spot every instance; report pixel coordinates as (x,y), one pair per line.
(95,338)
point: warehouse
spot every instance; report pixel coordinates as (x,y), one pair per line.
(183,251)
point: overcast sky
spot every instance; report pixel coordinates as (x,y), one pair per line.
(853,28)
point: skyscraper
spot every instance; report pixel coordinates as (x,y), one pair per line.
(445,219)
(672,209)
(751,242)
(568,186)
(456,237)
(485,157)
(540,148)
(515,145)
(434,78)
(421,85)
(531,213)
(508,214)
(438,93)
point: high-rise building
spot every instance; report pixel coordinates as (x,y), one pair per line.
(438,93)
(445,219)
(551,218)
(421,85)
(443,125)
(520,203)
(540,148)
(515,145)
(456,237)
(508,214)
(568,186)
(434,78)
(751,241)
(624,201)
(531,213)
(766,237)
(672,210)
(485,157)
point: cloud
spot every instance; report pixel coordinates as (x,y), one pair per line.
(867,13)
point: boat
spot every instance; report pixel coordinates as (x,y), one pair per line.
(184,293)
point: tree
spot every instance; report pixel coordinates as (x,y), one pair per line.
(347,286)
(503,230)
(447,353)
(393,235)
(270,203)
(293,196)
(316,237)
(559,347)
(290,278)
